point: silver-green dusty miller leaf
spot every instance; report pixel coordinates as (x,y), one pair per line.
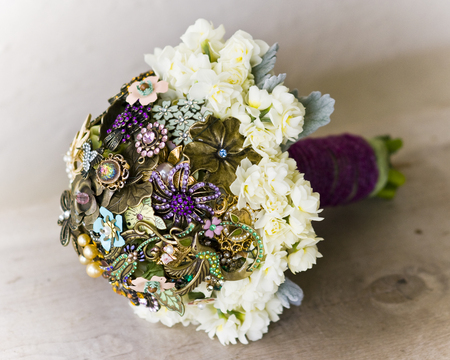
(261,71)
(289,293)
(318,109)
(273,81)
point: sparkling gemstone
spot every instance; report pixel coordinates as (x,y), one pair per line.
(222,153)
(108,171)
(149,137)
(139,216)
(212,227)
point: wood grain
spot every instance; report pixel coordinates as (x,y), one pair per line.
(381,290)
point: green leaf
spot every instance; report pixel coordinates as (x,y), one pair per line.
(186,242)
(263,112)
(393,145)
(388,192)
(95,137)
(170,300)
(153,269)
(318,109)
(206,50)
(141,268)
(196,295)
(236,232)
(160,224)
(234,218)
(396,178)
(261,71)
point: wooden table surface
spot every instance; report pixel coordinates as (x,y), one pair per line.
(381,291)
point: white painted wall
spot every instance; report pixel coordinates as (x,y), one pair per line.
(62,59)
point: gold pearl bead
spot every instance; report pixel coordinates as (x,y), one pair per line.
(83,239)
(83,260)
(90,252)
(93,270)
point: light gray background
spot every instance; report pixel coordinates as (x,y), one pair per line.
(381,291)
(60,60)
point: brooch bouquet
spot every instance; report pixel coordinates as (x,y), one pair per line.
(183,194)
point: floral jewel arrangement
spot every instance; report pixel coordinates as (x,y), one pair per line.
(186,194)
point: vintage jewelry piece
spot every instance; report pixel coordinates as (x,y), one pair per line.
(183,194)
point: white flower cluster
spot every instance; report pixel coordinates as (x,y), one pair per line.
(207,67)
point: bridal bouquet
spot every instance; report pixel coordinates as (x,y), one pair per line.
(183,194)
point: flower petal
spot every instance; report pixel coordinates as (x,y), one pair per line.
(218,230)
(207,224)
(148,99)
(161,87)
(105,212)
(233,141)
(119,222)
(98,224)
(212,132)
(215,221)
(202,156)
(119,242)
(152,79)
(106,244)
(209,234)
(131,99)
